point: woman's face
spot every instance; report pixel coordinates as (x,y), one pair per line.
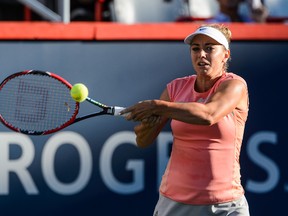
(208,56)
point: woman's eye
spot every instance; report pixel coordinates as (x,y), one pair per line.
(209,49)
(195,49)
(206,49)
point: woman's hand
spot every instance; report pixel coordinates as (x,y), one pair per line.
(151,123)
(148,130)
(142,111)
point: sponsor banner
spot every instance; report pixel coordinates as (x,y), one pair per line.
(94,167)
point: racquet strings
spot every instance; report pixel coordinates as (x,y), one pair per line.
(33,102)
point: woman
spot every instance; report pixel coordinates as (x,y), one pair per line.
(208,112)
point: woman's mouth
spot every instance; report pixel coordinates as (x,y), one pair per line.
(201,64)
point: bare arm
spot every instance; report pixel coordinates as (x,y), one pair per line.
(228,96)
(147,131)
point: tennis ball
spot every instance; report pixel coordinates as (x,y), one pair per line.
(79,92)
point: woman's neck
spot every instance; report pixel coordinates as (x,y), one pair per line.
(204,83)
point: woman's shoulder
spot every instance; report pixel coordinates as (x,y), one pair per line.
(230,75)
(180,84)
(184,79)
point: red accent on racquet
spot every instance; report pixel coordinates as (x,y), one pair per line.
(37,103)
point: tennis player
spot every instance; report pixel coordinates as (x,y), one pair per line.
(208,112)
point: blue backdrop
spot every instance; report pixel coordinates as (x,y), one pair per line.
(94,167)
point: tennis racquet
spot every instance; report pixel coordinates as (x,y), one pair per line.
(37,103)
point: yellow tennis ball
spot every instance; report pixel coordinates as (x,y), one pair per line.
(79,92)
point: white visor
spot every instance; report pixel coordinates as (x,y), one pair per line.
(211,32)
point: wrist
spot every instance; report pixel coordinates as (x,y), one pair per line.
(159,107)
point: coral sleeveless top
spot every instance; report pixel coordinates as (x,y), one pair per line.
(204,163)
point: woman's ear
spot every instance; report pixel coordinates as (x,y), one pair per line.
(227,54)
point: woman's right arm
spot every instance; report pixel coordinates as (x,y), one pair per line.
(147,131)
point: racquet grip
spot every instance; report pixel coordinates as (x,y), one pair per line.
(117,111)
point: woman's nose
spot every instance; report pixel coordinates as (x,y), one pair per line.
(202,53)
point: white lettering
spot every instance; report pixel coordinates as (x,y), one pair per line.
(48,157)
(136,166)
(18,166)
(255,155)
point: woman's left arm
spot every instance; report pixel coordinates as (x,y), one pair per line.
(226,98)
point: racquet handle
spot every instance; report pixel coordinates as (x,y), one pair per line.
(111,110)
(117,111)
